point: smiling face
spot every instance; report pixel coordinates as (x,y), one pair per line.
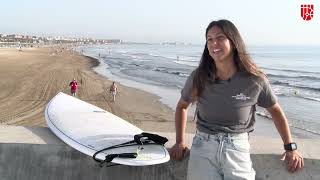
(219,46)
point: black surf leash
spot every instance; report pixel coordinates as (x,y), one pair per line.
(139,139)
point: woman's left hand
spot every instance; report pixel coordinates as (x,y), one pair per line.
(294,160)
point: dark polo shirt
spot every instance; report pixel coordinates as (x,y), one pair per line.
(229,106)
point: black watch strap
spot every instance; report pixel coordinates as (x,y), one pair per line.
(290,147)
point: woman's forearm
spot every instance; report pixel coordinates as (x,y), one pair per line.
(180,122)
(281,123)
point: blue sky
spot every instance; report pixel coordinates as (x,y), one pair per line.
(269,22)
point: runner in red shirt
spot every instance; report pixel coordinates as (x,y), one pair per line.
(74,85)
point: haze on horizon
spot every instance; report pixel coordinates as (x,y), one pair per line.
(260,23)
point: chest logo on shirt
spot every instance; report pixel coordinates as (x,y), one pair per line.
(241,96)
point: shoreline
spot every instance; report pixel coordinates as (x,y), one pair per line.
(94,62)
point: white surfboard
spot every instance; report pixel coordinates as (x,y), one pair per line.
(88,129)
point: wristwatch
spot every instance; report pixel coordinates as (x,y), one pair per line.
(290,147)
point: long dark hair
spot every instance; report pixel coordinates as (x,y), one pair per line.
(207,66)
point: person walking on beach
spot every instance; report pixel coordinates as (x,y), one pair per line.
(226,87)
(113,90)
(73,85)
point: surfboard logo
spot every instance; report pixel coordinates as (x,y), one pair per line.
(240,96)
(307,11)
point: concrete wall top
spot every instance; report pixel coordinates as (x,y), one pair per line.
(36,153)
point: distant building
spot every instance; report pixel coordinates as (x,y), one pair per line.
(27,39)
(113,41)
(174,43)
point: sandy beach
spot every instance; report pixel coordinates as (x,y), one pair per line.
(30,78)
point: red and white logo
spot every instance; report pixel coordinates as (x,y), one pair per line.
(307,11)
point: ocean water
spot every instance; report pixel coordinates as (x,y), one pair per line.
(294,73)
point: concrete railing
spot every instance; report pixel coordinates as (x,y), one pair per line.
(36,154)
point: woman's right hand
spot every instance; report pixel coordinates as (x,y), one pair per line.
(178,151)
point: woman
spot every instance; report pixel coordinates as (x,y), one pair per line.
(227,86)
(113,91)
